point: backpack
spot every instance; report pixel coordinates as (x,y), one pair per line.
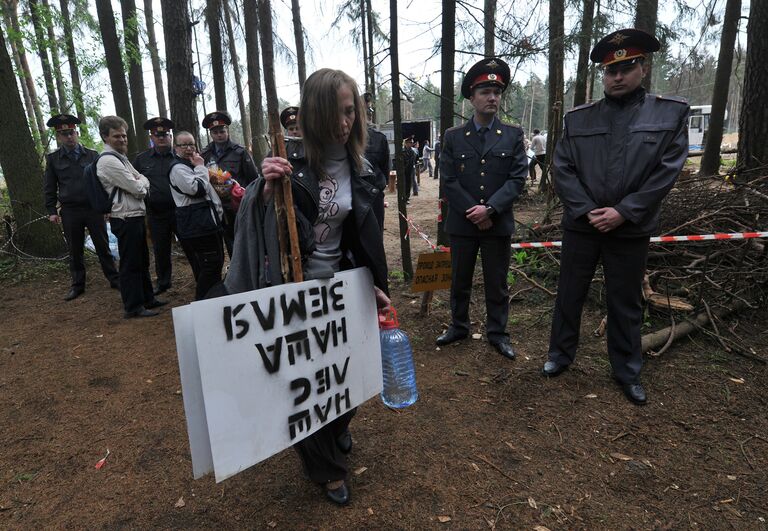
(94,190)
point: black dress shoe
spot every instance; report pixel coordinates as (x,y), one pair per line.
(450,336)
(155,303)
(505,349)
(140,313)
(635,393)
(339,496)
(344,442)
(552,368)
(73,294)
(161,289)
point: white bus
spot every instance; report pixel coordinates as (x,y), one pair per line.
(698,125)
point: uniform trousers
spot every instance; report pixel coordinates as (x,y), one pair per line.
(320,454)
(74,221)
(135,282)
(162,226)
(229,229)
(495,252)
(624,261)
(206,256)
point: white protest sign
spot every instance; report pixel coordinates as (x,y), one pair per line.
(274,366)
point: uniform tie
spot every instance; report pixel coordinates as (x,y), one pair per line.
(481,133)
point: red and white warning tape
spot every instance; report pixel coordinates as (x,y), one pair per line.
(655,239)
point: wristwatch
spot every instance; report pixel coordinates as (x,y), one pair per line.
(490,210)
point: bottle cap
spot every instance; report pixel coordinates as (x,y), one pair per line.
(388,320)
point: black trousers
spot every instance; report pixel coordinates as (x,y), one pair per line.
(229,230)
(495,252)
(135,282)
(74,222)
(537,160)
(624,262)
(162,226)
(437,167)
(206,256)
(320,454)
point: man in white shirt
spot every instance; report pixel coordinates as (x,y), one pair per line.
(127,218)
(539,147)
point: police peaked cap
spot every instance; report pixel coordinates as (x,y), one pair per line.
(490,71)
(63,122)
(289,116)
(159,125)
(623,45)
(216,119)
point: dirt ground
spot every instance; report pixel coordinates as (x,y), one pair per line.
(490,443)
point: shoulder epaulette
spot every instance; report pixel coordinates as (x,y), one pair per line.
(583,106)
(676,99)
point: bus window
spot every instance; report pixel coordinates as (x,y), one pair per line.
(695,123)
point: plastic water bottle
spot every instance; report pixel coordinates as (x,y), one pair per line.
(396,363)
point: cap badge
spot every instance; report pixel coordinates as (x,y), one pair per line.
(620,53)
(491,77)
(492,63)
(618,39)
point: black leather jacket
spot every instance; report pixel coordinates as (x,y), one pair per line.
(624,154)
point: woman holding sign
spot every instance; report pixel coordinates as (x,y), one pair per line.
(336,201)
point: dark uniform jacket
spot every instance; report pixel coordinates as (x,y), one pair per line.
(235,159)
(377,153)
(492,175)
(624,154)
(361,242)
(64,179)
(156,168)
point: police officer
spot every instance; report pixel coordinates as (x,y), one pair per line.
(64,184)
(616,161)
(231,157)
(377,153)
(289,118)
(483,167)
(155,164)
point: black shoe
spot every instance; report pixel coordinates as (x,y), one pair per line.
(552,369)
(140,313)
(339,496)
(505,349)
(161,289)
(449,336)
(73,293)
(635,393)
(344,442)
(155,303)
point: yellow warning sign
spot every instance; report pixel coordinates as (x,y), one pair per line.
(433,272)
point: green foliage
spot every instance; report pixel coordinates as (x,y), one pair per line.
(397,274)
(511,278)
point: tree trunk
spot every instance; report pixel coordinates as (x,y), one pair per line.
(22,170)
(447,58)
(74,70)
(371,63)
(244,118)
(556,57)
(42,52)
(12,20)
(213,18)
(405,243)
(753,123)
(298,35)
(34,125)
(178,57)
(489,25)
(53,45)
(364,42)
(585,44)
(116,70)
(252,49)
(710,160)
(646,13)
(149,17)
(135,73)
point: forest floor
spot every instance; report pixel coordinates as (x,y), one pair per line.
(490,444)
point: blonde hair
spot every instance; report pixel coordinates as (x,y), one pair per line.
(319,118)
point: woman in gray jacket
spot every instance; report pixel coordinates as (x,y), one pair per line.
(198,214)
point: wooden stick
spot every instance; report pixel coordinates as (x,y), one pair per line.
(286,215)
